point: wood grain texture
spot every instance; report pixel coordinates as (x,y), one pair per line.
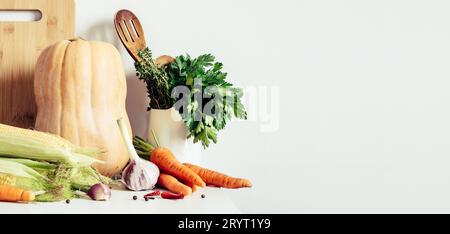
(20,45)
(130,32)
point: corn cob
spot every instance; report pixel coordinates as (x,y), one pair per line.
(33,184)
(36,165)
(6,179)
(18,169)
(42,137)
(29,144)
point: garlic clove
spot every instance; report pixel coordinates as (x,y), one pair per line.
(99,192)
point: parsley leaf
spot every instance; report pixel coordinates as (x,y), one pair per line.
(223,97)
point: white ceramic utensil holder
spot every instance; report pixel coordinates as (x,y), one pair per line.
(172,133)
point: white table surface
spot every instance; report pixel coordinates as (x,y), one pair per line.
(121,202)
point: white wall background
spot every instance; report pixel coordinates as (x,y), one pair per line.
(364,100)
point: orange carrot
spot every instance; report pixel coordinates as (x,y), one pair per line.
(172,184)
(13,194)
(195,188)
(219,179)
(167,163)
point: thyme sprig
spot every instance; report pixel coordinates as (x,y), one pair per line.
(156,80)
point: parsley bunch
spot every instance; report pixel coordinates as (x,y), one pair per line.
(213,101)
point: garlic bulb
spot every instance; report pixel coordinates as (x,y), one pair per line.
(138,174)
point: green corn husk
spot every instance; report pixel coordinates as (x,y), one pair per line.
(30,144)
(60,187)
(23,147)
(18,169)
(22,176)
(36,165)
(69,182)
(82,178)
(22,182)
(56,181)
(44,162)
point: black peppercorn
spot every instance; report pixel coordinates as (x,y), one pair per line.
(203,196)
(68,201)
(135,197)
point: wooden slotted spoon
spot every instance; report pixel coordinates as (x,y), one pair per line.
(130,32)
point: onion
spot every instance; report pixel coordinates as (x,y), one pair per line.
(99,192)
(138,174)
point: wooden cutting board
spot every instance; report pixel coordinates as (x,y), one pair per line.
(20,45)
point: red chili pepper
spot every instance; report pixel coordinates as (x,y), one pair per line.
(173,196)
(152,194)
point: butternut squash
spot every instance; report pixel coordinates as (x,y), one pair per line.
(80,89)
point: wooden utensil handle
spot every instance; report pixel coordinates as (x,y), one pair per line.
(15,16)
(32,7)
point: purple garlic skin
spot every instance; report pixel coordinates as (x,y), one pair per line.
(99,192)
(140,175)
